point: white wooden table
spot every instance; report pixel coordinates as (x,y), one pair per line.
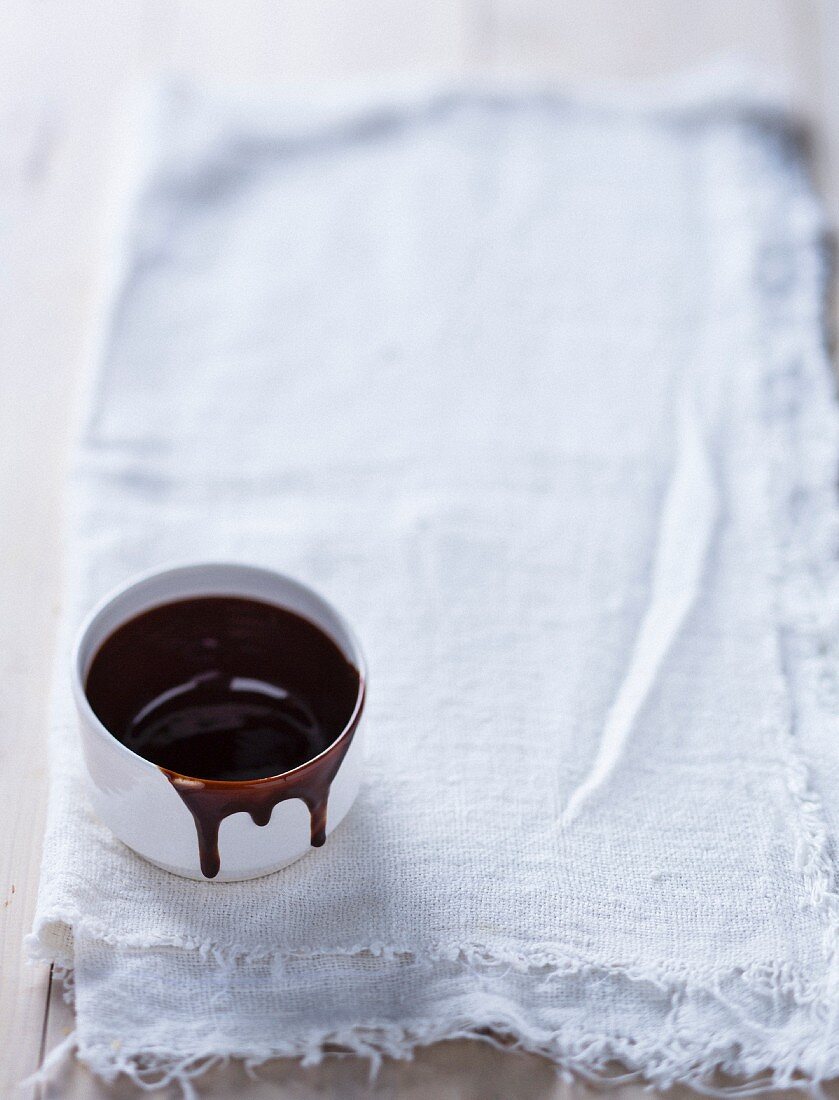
(66,68)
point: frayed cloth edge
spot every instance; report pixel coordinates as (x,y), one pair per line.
(52,939)
(598,1059)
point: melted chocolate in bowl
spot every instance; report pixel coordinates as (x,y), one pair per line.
(241,704)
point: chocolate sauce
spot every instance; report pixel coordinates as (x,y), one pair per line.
(241,705)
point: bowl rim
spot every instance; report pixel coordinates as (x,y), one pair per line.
(233,567)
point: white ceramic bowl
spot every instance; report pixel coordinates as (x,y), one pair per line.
(136,799)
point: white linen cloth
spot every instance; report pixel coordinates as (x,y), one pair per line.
(536,392)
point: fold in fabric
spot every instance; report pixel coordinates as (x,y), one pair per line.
(687,525)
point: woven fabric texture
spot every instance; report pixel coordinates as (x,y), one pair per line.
(535,390)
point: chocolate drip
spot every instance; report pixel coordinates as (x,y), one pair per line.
(241,705)
(211,802)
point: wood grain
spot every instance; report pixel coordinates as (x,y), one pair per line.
(608,39)
(67,68)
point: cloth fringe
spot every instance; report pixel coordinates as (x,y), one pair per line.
(716,1068)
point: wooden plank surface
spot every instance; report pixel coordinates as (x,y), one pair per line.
(67,68)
